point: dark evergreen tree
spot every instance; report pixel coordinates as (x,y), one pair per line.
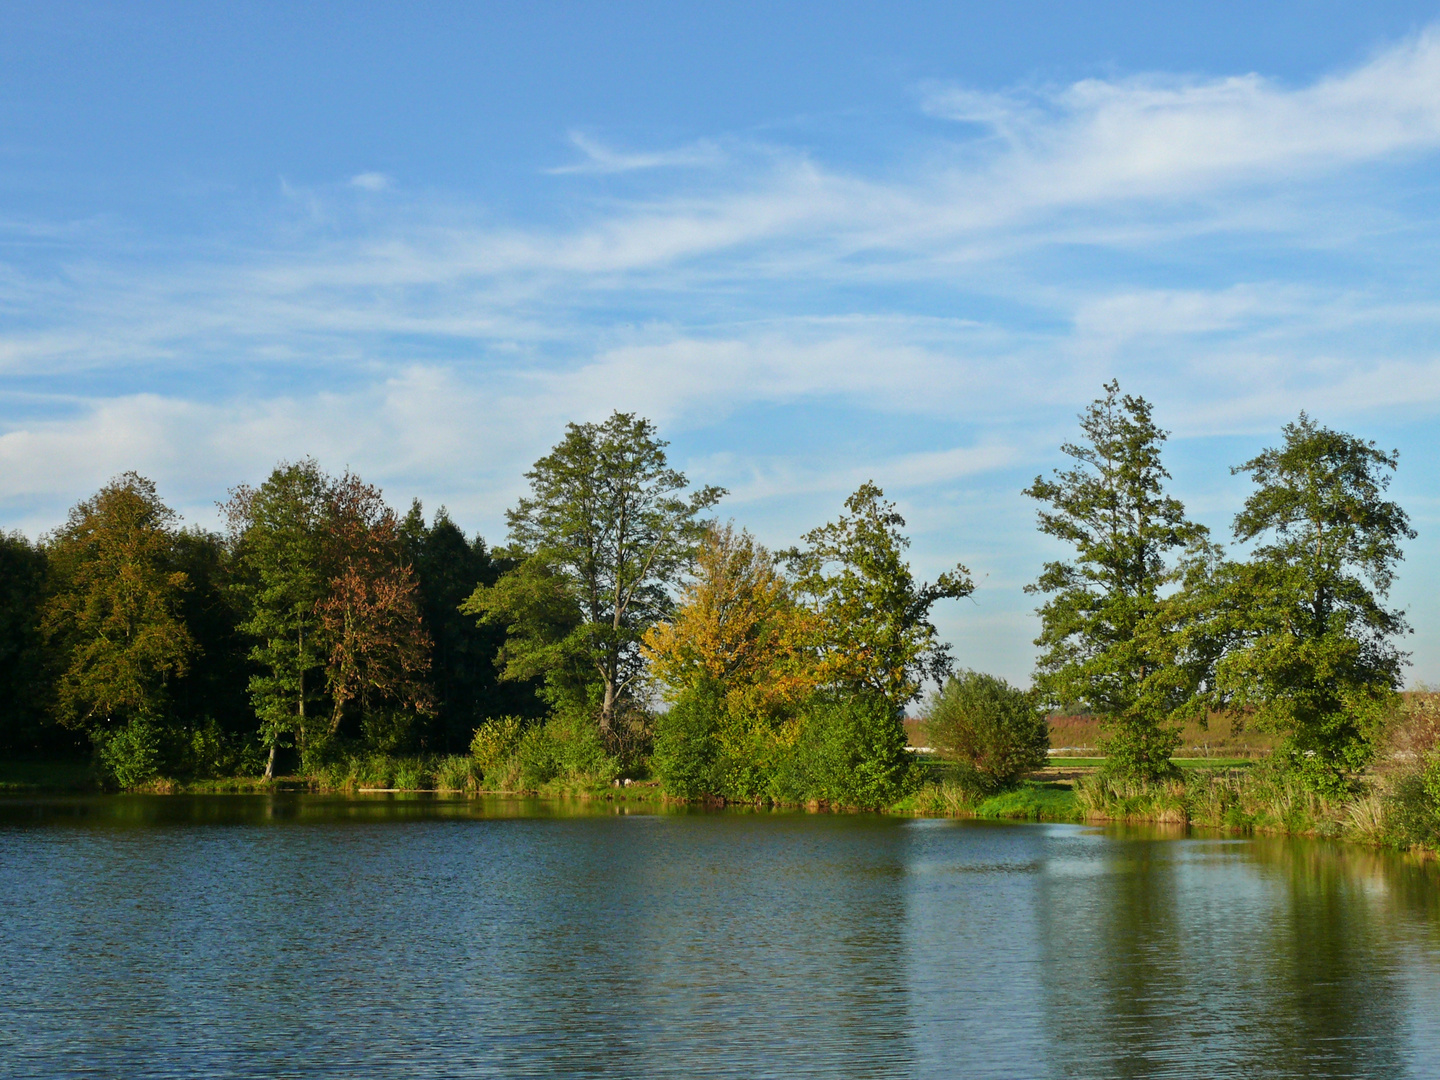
(25,723)
(466,680)
(210,700)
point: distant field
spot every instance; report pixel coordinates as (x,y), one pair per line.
(1079,737)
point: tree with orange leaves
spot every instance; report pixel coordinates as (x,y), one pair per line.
(379,651)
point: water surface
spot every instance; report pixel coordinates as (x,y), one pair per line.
(306,936)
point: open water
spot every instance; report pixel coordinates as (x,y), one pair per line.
(308,936)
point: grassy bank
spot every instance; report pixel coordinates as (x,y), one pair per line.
(1033,800)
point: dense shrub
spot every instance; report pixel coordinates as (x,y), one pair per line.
(494,742)
(207,751)
(130,755)
(1408,769)
(851,752)
(565,752)
(684,760)
(842,749)
(988,728)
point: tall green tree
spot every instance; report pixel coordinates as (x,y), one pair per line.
(1311,641)
(279,534)
(115,624)
(1109,628)
(209,701)
(600,541)
(875,632)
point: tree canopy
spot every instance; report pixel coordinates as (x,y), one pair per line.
(278,532)
(604,535)
(737,626)
(1310,641)
(874,628)
(114,620)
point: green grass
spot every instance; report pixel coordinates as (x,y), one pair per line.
(1031,801)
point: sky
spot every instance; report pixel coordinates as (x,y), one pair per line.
(817,244)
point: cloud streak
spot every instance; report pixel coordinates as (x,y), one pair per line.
(600,159)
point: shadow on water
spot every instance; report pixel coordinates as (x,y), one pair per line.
(301,808)
(388,935)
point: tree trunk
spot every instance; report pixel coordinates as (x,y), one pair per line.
(270,765)
(607,710)
(300,725)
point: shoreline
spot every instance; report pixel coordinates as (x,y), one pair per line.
(1036,801)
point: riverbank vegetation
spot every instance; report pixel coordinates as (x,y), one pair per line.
(624,638)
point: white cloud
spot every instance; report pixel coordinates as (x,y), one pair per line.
(370,181)
(1162,136)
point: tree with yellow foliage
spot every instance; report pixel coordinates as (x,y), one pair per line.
(737,663)
(737,629)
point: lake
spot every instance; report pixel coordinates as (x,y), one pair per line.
(314,936)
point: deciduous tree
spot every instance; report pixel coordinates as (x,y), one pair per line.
(873,618)
(603,536)
(738,627)
(114,617)
(1311,641)
(280,536)
(378,652)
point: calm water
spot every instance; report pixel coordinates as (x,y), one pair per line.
(308,936)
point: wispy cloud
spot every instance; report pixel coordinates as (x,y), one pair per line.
(599,158)
(1165,136)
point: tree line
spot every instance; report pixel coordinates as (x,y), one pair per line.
(622,629)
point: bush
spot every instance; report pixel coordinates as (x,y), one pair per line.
(130,755)
(851,752)
(207,752)
(1408,767)
(1412,813)
(493,743)
(565,752)
(988,728)
(685,753)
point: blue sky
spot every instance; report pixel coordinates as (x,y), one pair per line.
(816,243)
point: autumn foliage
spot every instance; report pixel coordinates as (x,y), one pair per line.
(379,651)
(737,626)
